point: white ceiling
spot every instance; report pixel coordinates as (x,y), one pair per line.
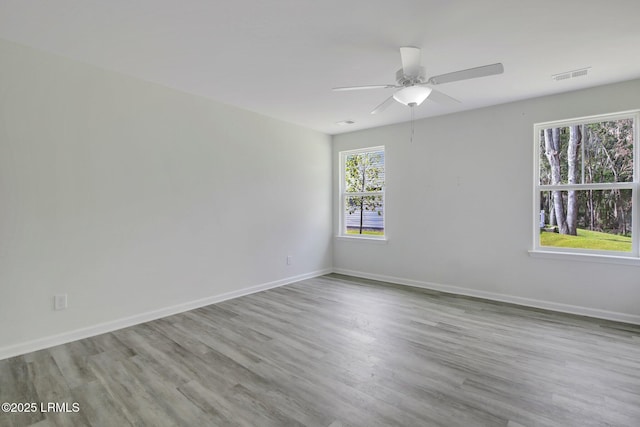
(281,58)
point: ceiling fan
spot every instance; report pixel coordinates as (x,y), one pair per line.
(414,87)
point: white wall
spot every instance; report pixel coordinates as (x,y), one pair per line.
(137,200)
(459,209)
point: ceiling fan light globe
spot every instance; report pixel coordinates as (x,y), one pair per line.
(412,95)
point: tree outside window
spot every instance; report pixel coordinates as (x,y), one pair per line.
(363,192)
(586,184)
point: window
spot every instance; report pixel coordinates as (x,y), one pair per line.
(362,193)
(586,185)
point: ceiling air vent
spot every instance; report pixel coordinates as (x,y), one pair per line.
(579,73)
(570,74)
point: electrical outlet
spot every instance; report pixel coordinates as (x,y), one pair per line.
(289,259)
(60,302)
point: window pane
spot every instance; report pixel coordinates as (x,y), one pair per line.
(608,151)
(599,152)
(586,219)
(364,172)
(364,215)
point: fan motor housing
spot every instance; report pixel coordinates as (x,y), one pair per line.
(404,80)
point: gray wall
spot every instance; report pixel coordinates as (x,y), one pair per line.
(459,209)
(137,200)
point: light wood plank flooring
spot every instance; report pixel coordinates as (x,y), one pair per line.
(338,351)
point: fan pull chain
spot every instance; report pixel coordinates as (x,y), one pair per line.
(412,126)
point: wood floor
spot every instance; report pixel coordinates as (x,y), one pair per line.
(338,351)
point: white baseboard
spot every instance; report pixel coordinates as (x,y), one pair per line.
(101,328)
(528,302)
(53,340)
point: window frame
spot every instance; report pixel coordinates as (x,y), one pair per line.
(634,186)
(342,194)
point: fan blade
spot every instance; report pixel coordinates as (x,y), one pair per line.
(337,89)
(410,61)
(380,108)
(471,73)
(441,98)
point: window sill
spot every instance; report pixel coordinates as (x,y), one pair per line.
(590,258)
(377,240)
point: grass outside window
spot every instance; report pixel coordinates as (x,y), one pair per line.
(587,239)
